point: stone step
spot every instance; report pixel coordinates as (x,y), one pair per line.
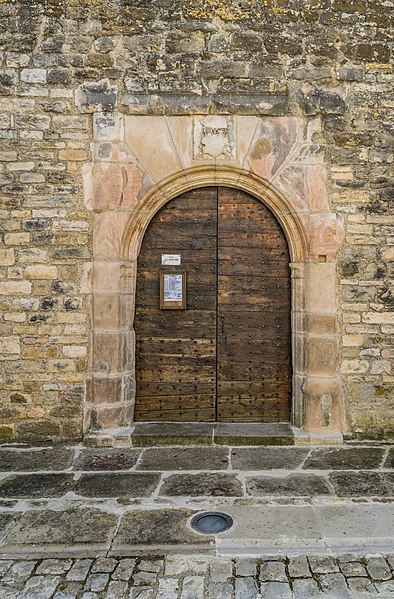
(148,434)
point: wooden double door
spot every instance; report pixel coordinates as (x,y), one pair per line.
(226,356)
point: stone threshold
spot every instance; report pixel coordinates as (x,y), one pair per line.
(148,434)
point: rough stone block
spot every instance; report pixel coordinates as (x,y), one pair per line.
(7,257)
(10,345)
(41,271)
(96,97)
(34,75)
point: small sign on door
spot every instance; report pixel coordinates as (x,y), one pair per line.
(173,290)
(170,259)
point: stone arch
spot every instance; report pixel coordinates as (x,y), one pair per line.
(317,396)
(208,175)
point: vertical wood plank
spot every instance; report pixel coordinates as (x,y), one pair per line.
(175,349)
(254,343)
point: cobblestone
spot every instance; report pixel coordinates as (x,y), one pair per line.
(378,568)
(199,577)
(273,571)
(298,567)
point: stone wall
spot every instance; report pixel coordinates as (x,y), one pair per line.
(62,61)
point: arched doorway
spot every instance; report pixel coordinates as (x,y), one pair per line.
(221,348)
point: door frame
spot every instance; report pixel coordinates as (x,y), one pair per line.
(317,388)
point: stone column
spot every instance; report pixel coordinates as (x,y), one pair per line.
(298,341)
(324,409)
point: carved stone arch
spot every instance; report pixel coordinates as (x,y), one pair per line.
(313,237)
(205,176)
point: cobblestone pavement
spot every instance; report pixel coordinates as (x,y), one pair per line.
(200,577)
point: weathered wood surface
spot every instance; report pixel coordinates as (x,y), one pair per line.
(227,356)
(176,349)
(252,306)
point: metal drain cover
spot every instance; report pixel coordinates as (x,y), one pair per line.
(210,523)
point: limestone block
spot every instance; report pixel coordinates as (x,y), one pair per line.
(111,185)
(87,278)
(106,277)
(354,366)
(15,288)
(326,234)
(150,139)
(315,100)
(181,129)
(316,187)
(109,231)
(388,254)
(10,345)
(33,75)
(322,355)
(41,271)
(353,340)
(381,367)
(73,155)
(16,238)
(378,318)
(272,145)
(97,96)
(7,257)
(104,390)
(320,287)
(74,351)
(324,409)
(106,312)
(106,127)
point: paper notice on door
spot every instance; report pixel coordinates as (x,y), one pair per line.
(171,259)
(173,288)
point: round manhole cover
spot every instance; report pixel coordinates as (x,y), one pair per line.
(211,522)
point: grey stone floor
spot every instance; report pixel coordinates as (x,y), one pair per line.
(308,522)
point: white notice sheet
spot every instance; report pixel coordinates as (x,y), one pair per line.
(173,288)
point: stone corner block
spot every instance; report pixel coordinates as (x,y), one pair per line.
(97,96)
(324,405)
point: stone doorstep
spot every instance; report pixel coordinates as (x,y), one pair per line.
(148,434)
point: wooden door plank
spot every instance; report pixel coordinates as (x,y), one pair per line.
(176,349)
(254,358)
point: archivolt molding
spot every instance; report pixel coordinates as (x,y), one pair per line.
(204,176)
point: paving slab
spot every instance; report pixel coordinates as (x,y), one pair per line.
(184,458)
(389,462)
(36,485)
(83,532)
(107,459)
(360,484)
(201,484)
(389,478)
(133,484)
(356,525)
(267,458)
(345,458)
(6,522)
(269,529)
(293,485)
(324,528)
(152,531)
(50,458)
